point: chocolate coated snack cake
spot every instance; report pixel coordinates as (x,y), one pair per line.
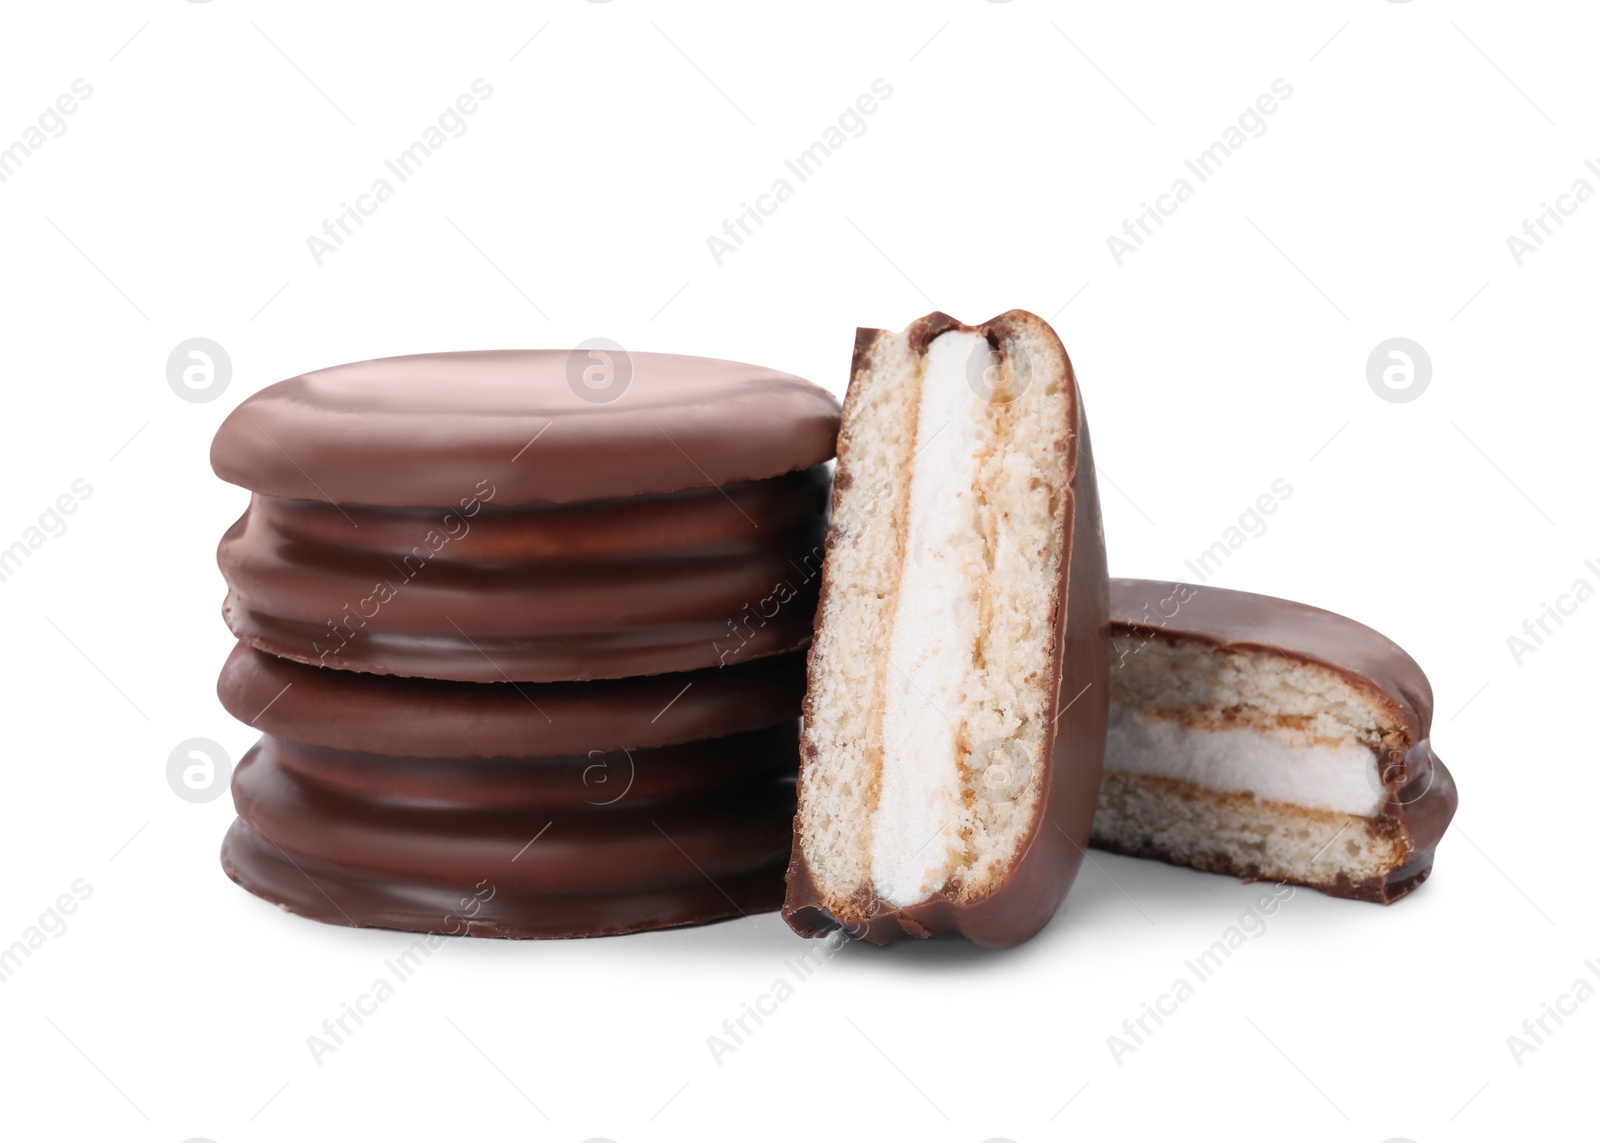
(1270,740)
(956,705)
(476,516)
(528,659)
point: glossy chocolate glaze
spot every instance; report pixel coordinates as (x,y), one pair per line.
(1420,795)
(422,430)
(733,520)
(341,897)
(555,871)
(439,551)
(625,779)
(432,719)
(581,591)
(592,849)
(1054,845)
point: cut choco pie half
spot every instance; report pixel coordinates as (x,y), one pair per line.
(956,706)
(1268,739)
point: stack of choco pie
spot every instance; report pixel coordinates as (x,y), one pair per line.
(527,653)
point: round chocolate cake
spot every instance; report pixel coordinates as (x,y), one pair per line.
(528,661)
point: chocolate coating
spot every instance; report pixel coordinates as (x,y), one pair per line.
(732,520)
(432,719)
(486,534)
(423,430)
(1420,795)
(337,896)
(1055,842)
(538,593)
(361,857)
(625,779)
(486,593)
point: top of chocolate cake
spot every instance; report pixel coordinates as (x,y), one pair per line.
(543,425)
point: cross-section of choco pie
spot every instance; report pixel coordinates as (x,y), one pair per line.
(1268,739)
(956,702)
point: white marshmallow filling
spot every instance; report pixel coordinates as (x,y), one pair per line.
(1246,722)
(1271,764)
(933,637)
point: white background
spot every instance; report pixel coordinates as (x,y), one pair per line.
(1226,353)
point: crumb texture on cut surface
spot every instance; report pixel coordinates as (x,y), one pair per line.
(1235,833)
(932,668)
(1247,722)
(1177,678)
(844,695)
(1247,762)
(1025,503)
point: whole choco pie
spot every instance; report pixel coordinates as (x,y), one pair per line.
(528,658)
(478,516)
